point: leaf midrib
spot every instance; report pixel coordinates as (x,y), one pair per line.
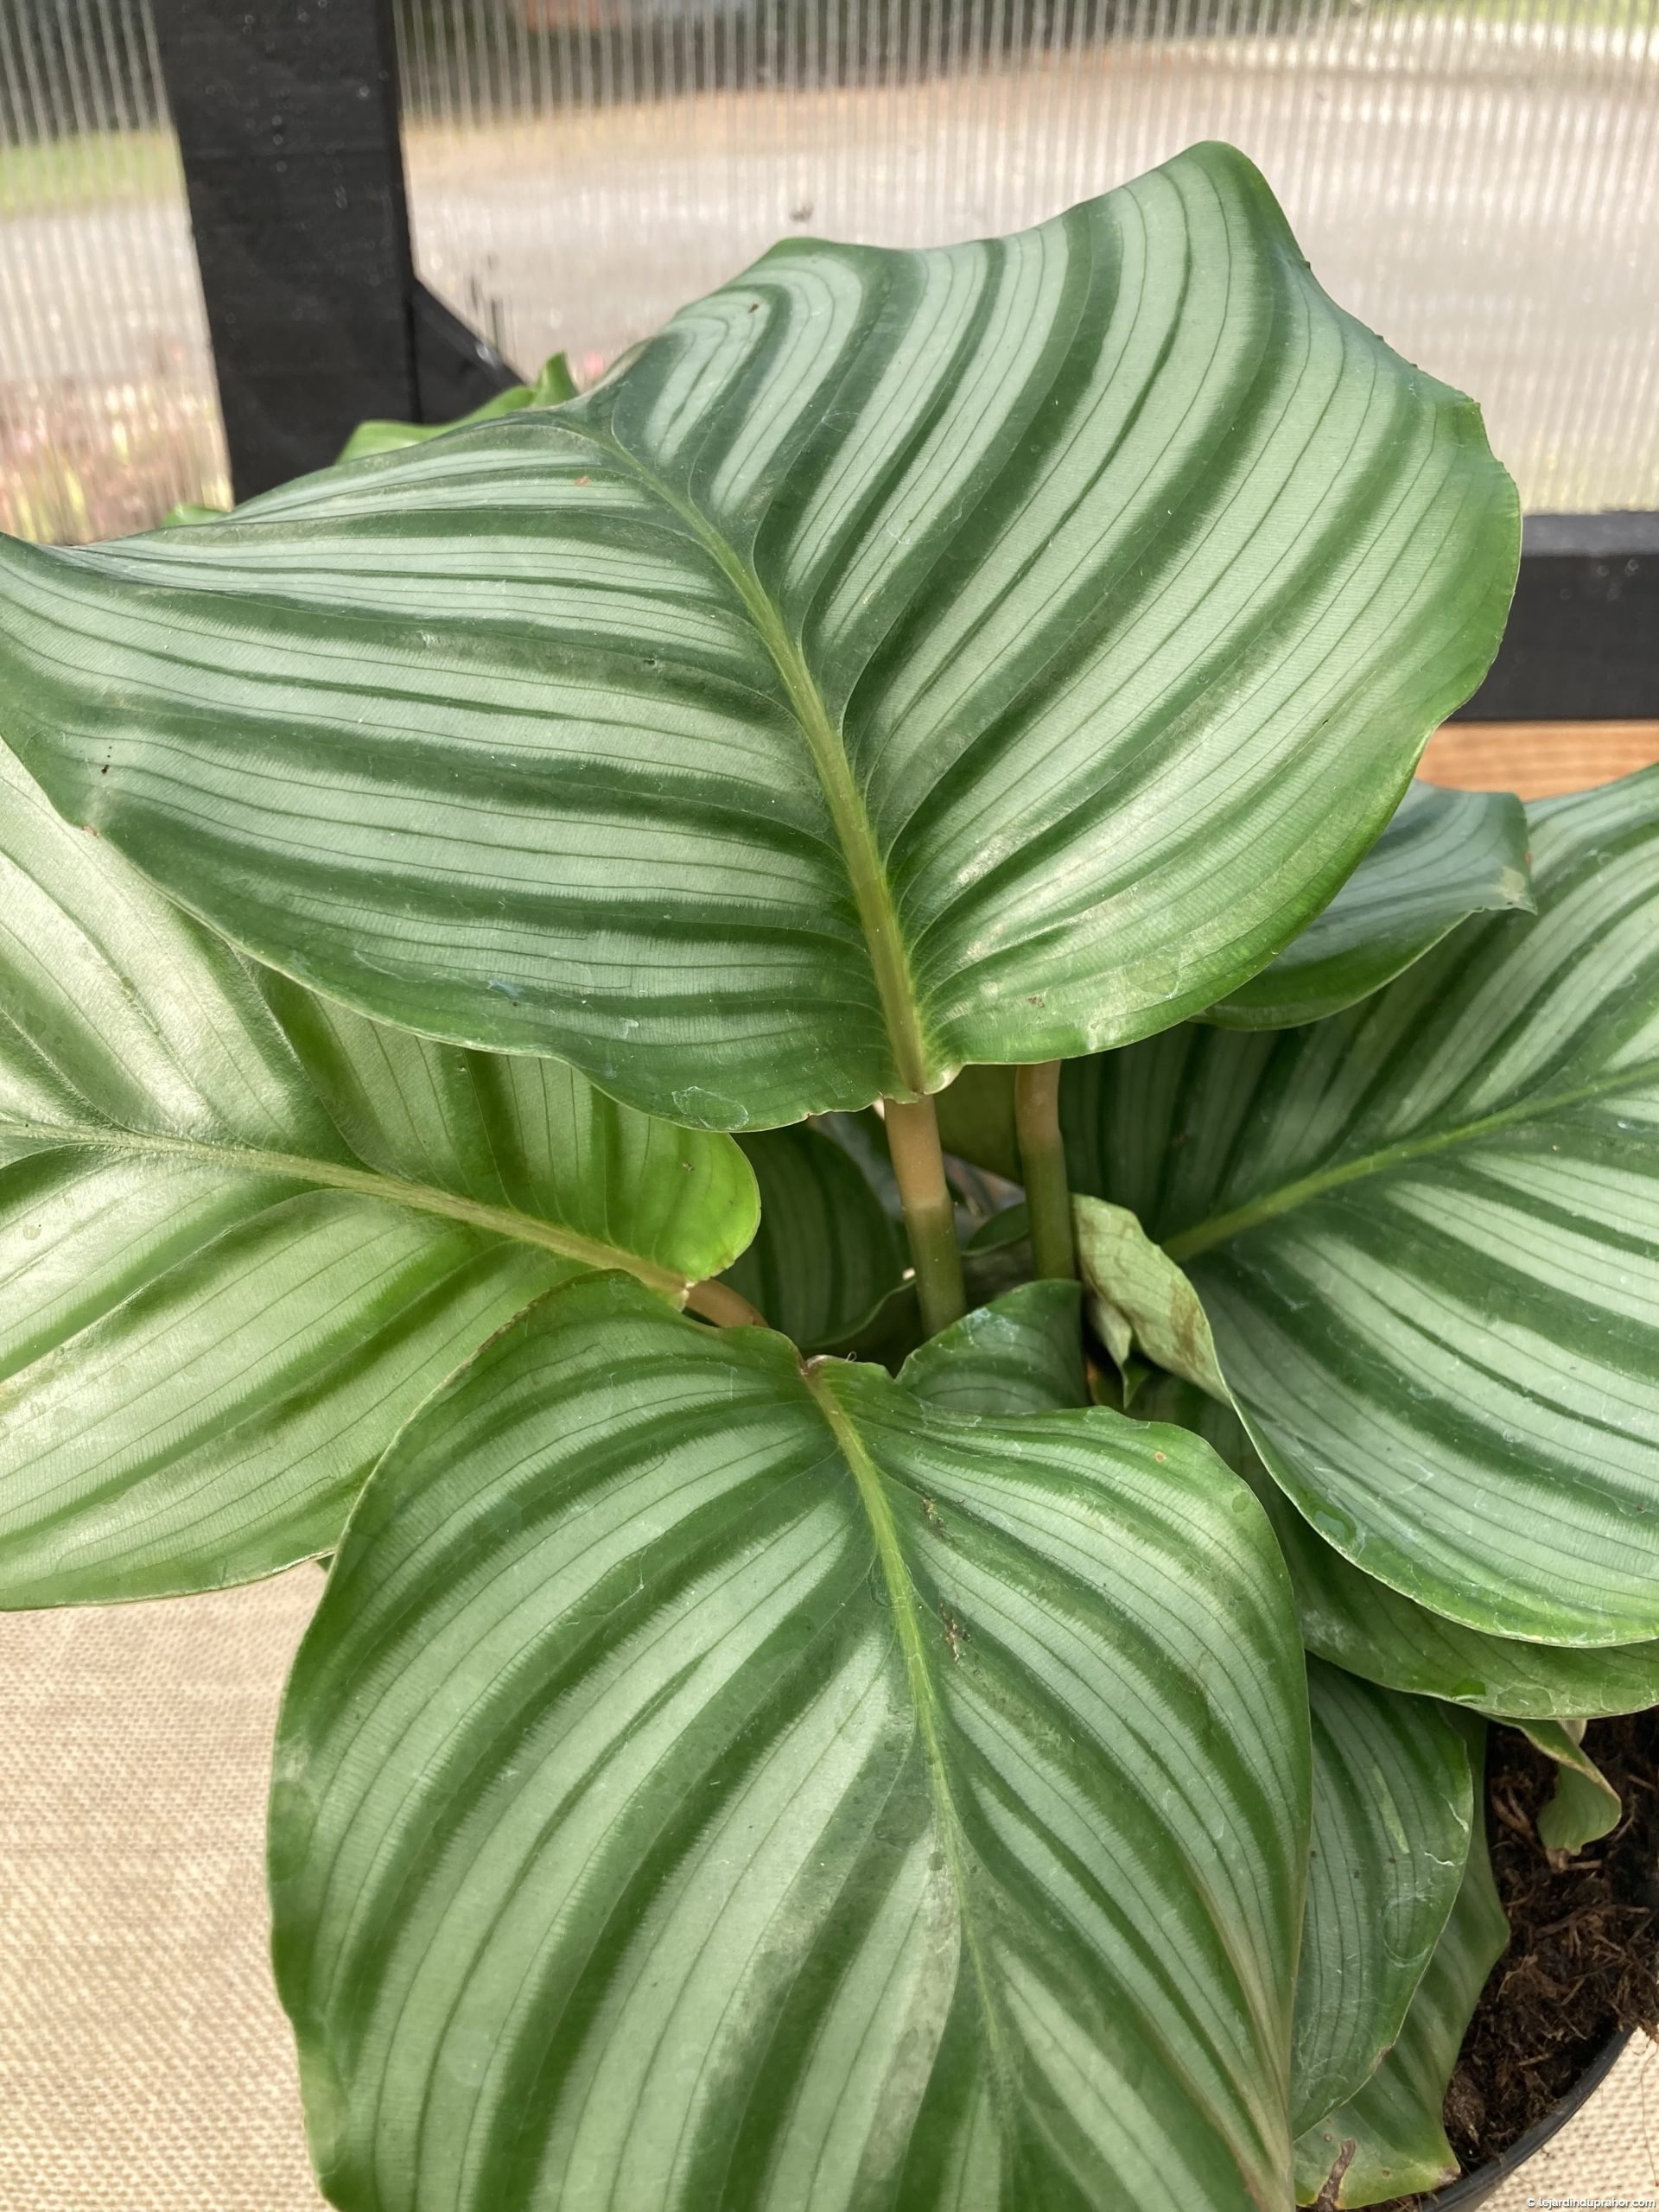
(923,1695)
(419,1198)
(849,818)
(1205,1235)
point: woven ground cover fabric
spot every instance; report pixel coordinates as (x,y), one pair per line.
(145,2065)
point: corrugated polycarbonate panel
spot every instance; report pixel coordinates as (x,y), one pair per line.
(108,411)
(1480,182)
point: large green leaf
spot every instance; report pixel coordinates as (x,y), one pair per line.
(1391,2133)
(1391,1782)
(1426,1236)
(1446,855)
(827,1252)
(240,1238)
(1361,1624)
(1392,1799)
(711,1782)
(985,653)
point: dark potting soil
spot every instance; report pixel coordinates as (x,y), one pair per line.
(1583,1959)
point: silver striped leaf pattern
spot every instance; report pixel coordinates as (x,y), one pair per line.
(1394,2123)
(1446,855)
(985,653)
(1362,1625)
(826,1253)
(1426,1236)
(241,1237)
(1392,1787)
(709,1780)
(1392,1809)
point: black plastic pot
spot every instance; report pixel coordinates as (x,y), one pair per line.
(1475,2188)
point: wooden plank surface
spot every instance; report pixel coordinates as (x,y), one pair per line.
(1538,760)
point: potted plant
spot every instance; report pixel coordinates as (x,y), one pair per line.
(784,1047)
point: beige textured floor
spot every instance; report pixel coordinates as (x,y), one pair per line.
(144,2065)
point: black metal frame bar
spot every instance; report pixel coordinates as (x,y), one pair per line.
(1583,639)
(287,116)
(287,122)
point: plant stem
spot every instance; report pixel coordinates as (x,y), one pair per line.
(727,1308)
(930,1216)
(1042,1153)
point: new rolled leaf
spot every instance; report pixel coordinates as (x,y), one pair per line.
(1425,1234)
(242,1236)
(985,653)
(710,1783)
(1140,1300)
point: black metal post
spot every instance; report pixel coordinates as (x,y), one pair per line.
(1582,640)
(287,116)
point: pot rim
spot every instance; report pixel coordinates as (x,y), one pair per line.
(1474,2187)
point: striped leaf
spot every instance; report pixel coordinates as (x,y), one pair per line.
(826,1252)
(1020,1354)
(1391,2134)
(1446,855)
(1426,1236)
(1583,1806)
(985,653)
(1392,1807)
(241,1237)
(708,1782)
(1363,1626)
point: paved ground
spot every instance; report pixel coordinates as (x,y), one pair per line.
(1488,198)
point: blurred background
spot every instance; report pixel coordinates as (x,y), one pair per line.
(1478,179)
